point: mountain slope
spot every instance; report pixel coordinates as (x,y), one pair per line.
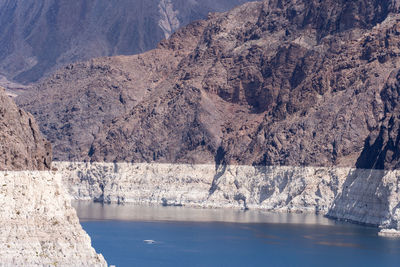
(37,37)
(268,83)
(79,100)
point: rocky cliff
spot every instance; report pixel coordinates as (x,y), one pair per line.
(38,36)
(39,227)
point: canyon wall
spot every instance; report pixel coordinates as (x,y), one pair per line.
(21,143)
(267,83)
(357,195)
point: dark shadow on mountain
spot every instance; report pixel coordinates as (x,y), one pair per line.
(373,156)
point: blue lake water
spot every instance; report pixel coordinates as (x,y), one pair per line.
(191,237)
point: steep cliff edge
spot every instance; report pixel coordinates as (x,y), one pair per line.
(39,227)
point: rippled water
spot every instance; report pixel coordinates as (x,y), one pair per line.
(195,237)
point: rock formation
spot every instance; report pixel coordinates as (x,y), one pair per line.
(272,83)
(101,90)
(39,227)
(38,36)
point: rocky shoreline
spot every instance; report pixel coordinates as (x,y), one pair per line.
(359,195)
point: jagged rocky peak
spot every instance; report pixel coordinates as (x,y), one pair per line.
(22,145)
(267,83)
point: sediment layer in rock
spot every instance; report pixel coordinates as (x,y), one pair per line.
(363,196)
(39,227)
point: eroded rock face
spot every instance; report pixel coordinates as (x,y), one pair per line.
(285,189)
(82,98)
(22,146)
(39,36)
(39,227)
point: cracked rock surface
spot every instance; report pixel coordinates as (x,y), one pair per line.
(358,195)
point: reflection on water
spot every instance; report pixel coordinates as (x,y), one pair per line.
(88,211)
(339,244)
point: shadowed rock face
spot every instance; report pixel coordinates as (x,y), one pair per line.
(268,83)
(38,36)
(21,144)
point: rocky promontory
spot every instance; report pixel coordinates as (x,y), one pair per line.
(39,227)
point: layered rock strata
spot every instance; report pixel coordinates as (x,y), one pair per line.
(363,196)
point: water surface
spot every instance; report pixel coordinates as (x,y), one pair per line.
(195,237)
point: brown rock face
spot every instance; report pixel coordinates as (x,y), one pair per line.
(81,99)
(22,147)
(270,83)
